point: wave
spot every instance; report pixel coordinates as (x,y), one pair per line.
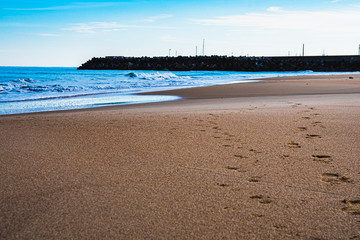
(8,88)
(54,97)
(44,86)
(156,76)
(24,80)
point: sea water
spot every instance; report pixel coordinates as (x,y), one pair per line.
(37,89)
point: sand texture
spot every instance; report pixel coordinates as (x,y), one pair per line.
(278,159)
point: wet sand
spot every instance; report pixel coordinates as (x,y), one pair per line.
(277,159)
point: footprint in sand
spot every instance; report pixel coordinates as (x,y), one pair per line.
(322,158)
(303,111)
(334,178)
(306,118)
(293,144)
(319,124)
(312,136)
(227,145)
(254,151)
(240,156)
(301,128)
(262,199)
(254,179)
(232,168)
(223,184)
(352,207)
(228,134)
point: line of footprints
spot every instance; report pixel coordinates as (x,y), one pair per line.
(228,139)
(350,206)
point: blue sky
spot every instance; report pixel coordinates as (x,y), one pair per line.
(67,33)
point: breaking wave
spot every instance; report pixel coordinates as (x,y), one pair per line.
(156,76)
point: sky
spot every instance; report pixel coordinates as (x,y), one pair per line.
(68,33)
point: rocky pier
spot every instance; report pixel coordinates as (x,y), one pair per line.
(225,63)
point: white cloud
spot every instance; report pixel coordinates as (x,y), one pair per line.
(71,6)
(274,9)
(167,38)
(158,17)
(319,21)
(94,27)
(335,1)
(48,35)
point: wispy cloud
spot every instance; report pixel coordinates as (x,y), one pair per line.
(48,35)
(167,38)
(94,27)
(158,17)
(321,21)
(70,6)
(99,27)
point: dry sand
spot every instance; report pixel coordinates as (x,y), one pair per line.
(278,159)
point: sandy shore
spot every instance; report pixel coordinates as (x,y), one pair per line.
(278,159)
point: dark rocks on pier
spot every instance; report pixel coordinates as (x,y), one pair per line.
(224,63)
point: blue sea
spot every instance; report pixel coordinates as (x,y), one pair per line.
(38,89)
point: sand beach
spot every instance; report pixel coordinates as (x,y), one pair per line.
(275,159)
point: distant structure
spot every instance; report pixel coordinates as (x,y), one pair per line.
(169,52)
(336,63)
(303,51)
(203,50)
(359,49)
(196,52)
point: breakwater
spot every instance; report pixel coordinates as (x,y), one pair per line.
(224,63)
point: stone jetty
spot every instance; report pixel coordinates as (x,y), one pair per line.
(225,63)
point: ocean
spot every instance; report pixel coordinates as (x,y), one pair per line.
(38,89)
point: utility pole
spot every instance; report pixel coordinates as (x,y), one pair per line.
(203,50)
(359,49)
(196,52)
(176,53)
(303,52)
(169,52)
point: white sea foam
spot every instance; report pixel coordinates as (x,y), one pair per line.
(157,76)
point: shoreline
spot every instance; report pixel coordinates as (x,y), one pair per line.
(277,159)
(132,98)
(277,86)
